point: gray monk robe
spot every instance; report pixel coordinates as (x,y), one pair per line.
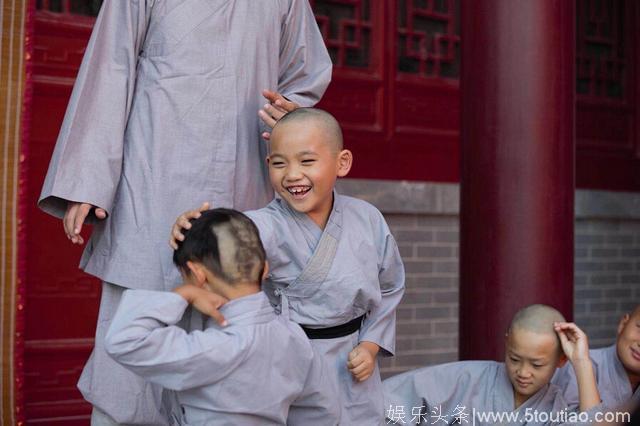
(331,277)
(258,370)
(163,115)
(613,382)
(467,390)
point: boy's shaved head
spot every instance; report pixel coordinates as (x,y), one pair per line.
(532,350)
(227,243)
(316,117)
(536,318)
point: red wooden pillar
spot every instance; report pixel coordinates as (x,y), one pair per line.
(517,180)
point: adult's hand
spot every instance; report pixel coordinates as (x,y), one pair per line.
(74,218)
(183,222)
(273,111)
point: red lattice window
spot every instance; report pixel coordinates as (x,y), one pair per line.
(346,29)
(607,113)
(71,7)
(601,52)
(429,38)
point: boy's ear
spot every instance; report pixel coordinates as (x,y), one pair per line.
(623,322)
(562,361)
(265,272)
(197,272)
(345,160)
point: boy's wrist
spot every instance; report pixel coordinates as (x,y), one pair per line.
(371,347)
(186,292)
(581,363)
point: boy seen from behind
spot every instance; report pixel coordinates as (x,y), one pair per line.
(259,369)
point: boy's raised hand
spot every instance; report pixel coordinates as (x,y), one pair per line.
(576,347)
(574,341)
(362,360)
(182,222)
(273,111)
(204,301)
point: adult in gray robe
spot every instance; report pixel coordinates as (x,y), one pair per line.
(330,277)
(472,392)
(611,376)
(259,370)
(163,115)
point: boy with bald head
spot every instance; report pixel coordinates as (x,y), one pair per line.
(334,265)
(258,370)
(617,367)
(537,342)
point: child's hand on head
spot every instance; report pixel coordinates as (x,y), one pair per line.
(362,360)
(204,301)
(182,222)
(277,108)
(574,341)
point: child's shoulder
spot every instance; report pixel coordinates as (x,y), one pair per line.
(359,207)
(269,214)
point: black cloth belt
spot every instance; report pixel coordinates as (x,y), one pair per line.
(334,332)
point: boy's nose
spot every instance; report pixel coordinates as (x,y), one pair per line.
(293,173)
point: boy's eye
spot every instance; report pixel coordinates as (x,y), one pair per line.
(538,365)
(277,164)
(514,359)
(307,162)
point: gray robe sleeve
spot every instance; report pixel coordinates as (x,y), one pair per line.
(87,160)
(144,338)
(379,325)
(305,65)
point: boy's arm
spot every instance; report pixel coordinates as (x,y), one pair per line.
(143,337)
(379,326)
(86,163)
(576,347)
(305,65)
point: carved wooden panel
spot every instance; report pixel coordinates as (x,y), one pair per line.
(607,110)
(346,29)
(429,38)
(602,57)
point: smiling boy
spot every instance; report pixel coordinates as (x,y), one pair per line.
(617,367)
(334,263)
(537,342)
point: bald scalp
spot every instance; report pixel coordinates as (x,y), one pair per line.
(321,119)
(537,319)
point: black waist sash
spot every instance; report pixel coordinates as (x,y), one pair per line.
(334,332)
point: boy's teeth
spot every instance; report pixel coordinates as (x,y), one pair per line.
(298,190)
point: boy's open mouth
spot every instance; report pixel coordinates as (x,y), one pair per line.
(298,191)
